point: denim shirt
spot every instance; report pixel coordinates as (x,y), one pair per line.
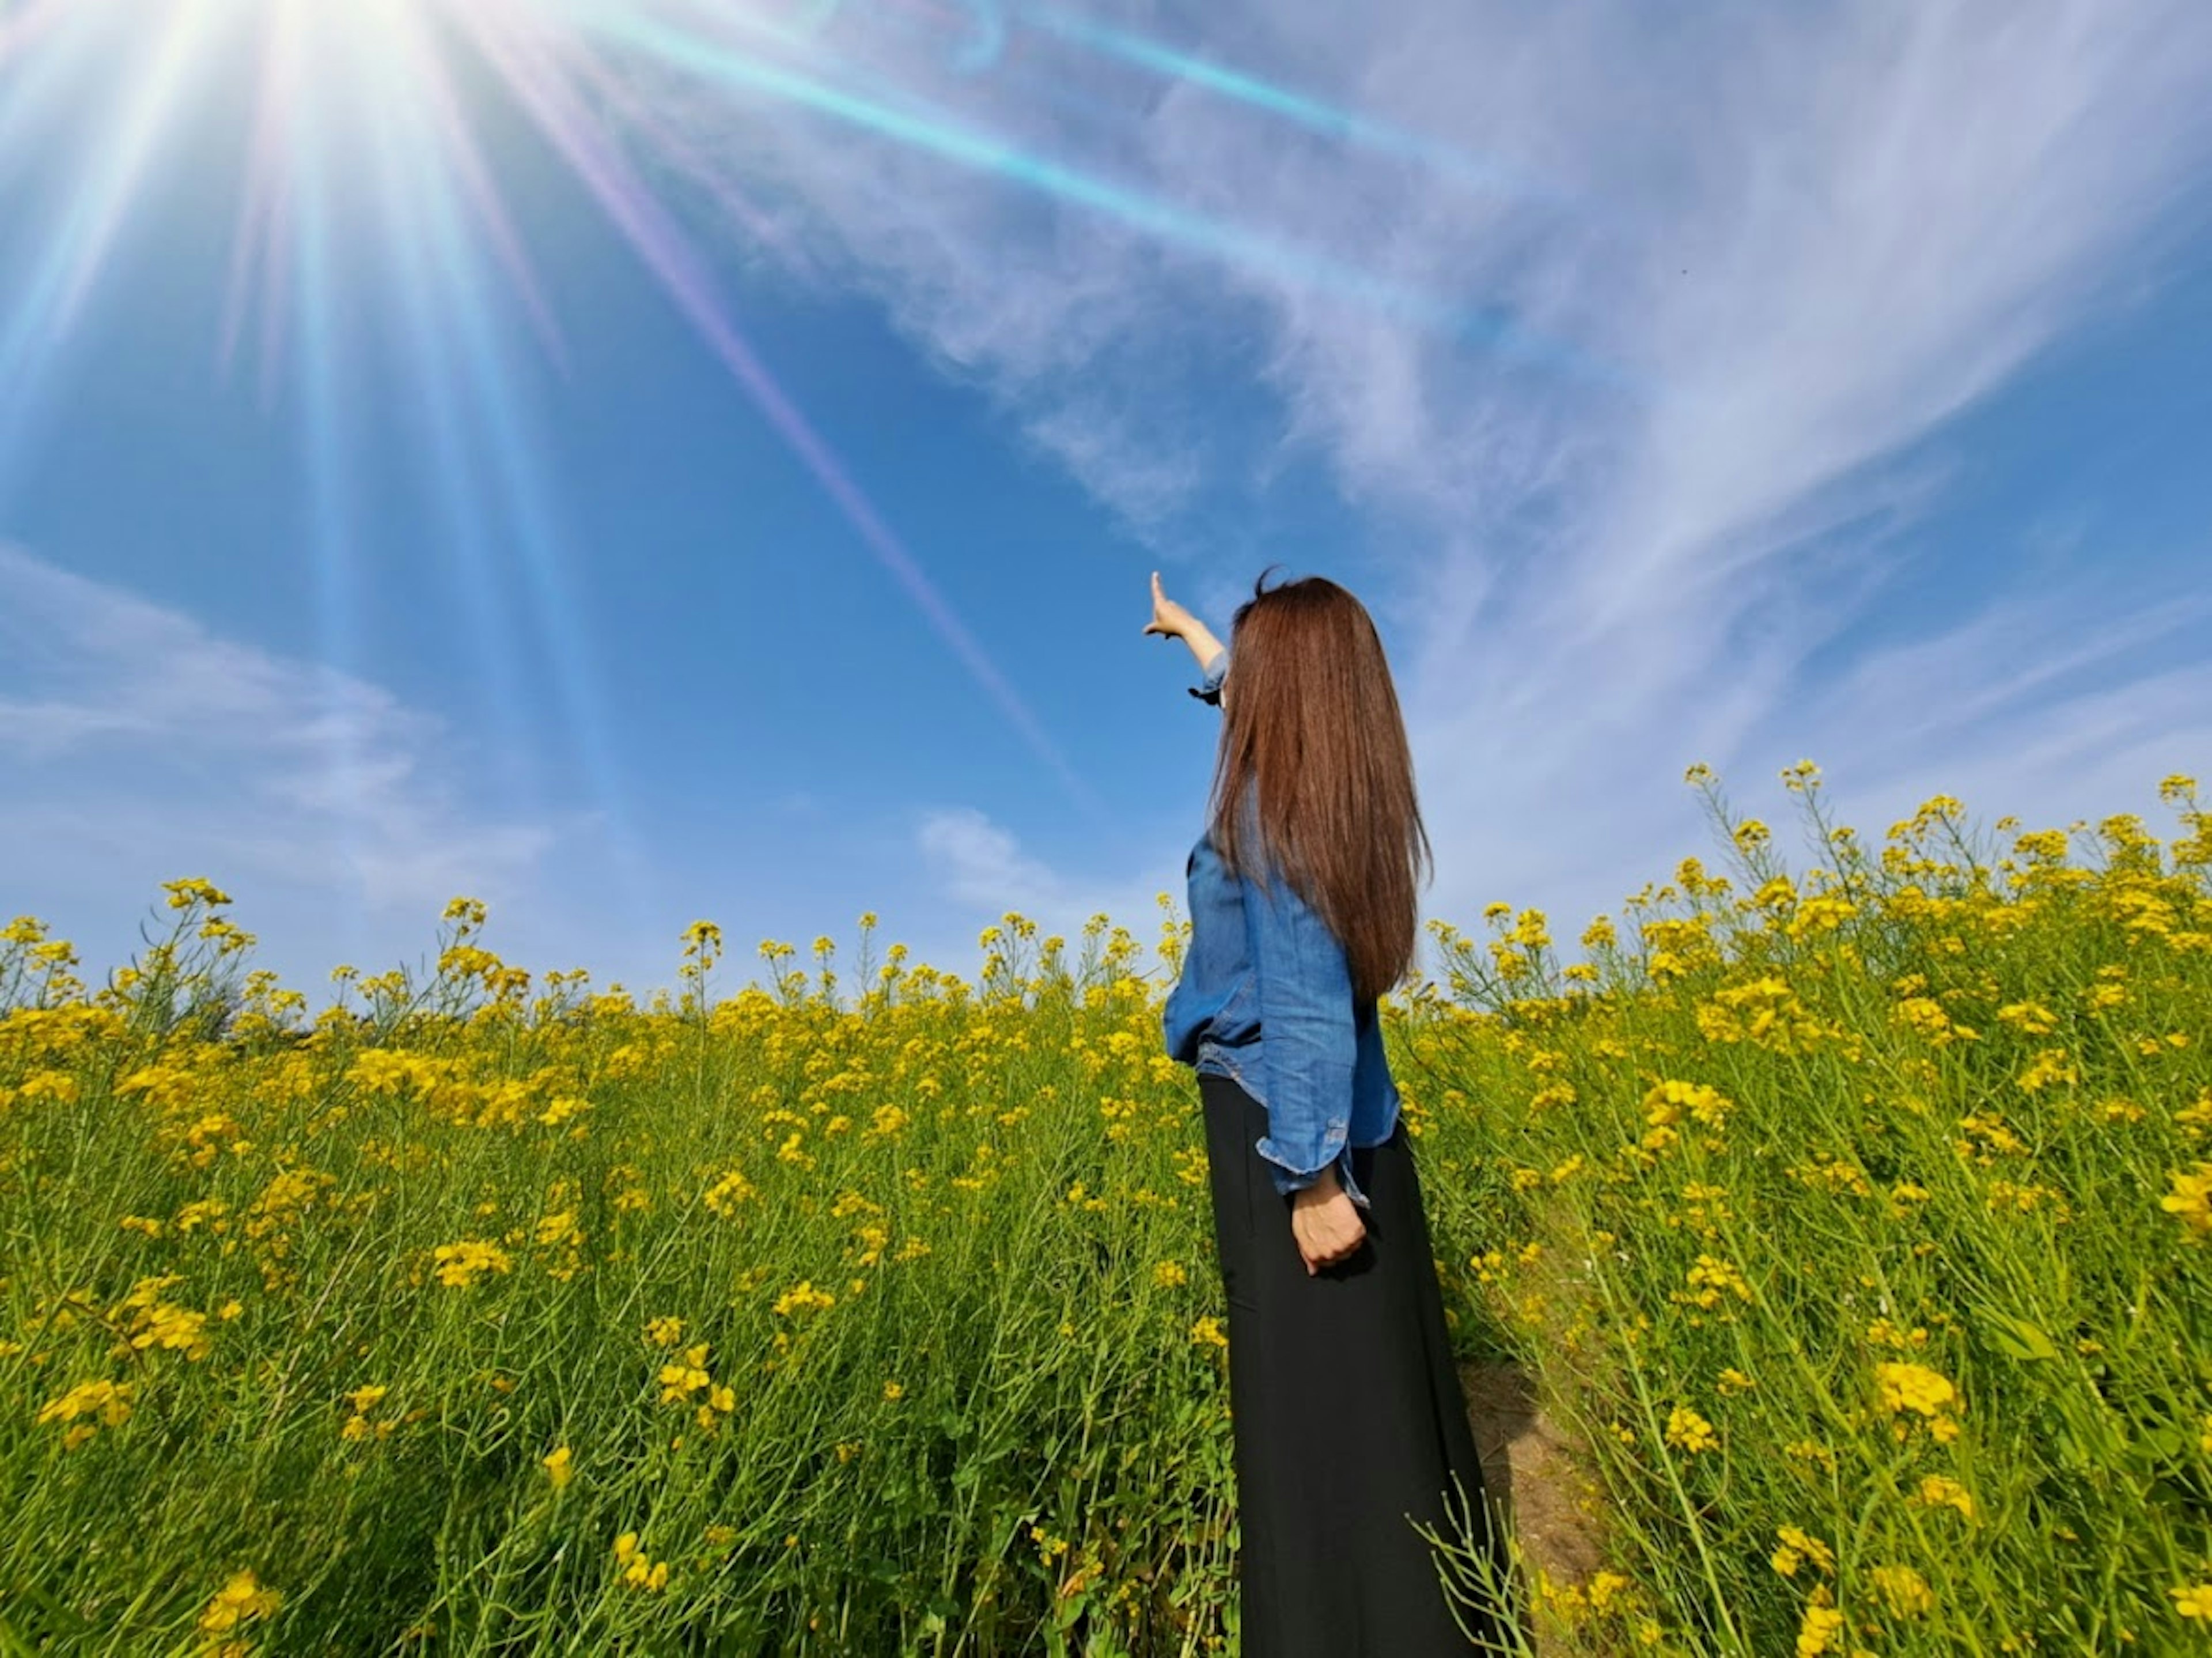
(1265,964)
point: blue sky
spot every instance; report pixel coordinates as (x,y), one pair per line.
(1853,407)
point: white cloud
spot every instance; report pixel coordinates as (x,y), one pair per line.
(140,747)
(976,861)
(980,863)
(1801,238)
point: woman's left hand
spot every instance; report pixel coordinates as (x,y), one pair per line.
(1325,1223)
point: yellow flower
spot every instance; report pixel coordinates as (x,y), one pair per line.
(55,1085)
(1686,1428)
(110,1401)
(1940,1491)
(1904,1590)
(459,1265)
(724,1196)
(1913,1387)
(183,895)
(242,1598)
(892,1390)
(1170,1273)
(2193,1600)
(1822,1625)
(681,1378)
(1712,1276)
(1606,1588)
(558,1465)
(1796,1547)
(1208,1330)
(175,1327)
(638,1571)
(2191,1201)
(803,1297)
(664,1331)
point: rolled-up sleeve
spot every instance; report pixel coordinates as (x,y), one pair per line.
(1208,689)
(1307,1039)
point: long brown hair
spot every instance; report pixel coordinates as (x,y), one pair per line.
(1312,717)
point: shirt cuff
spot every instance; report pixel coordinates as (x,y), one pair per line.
(1209,689)
(1289,1181)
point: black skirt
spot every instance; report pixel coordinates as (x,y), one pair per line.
(1348,1418)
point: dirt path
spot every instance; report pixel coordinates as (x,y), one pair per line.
(1547,1492)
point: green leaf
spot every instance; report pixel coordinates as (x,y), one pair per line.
(2067,1444)
(2016,1338)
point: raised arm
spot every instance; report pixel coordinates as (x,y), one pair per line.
(1171,621)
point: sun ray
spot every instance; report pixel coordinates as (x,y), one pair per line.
(263,230)
(423,71)
(333,544)
(20,29)
(529,65)
(39,317)
(427,242)
(324,80)
(435,285)
(491,482)
(678,154)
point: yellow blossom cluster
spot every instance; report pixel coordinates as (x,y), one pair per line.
(460,1265)
(638,1571)
(88,1406)
(1909,1389)
(686,1378)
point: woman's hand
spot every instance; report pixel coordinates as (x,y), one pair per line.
(1168,618)
(1171,621)
(1325,1224)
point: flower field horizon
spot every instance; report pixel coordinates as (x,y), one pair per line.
(1853,1225)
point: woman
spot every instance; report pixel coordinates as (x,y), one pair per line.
(1349,1422)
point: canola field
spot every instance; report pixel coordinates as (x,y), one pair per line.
(1856,1226)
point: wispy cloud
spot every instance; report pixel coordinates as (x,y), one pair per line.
(1805,237)
(142,746)
(976,861)
(982,864)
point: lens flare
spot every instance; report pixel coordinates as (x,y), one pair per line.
(344,92)
(1324,119)
(365,191)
